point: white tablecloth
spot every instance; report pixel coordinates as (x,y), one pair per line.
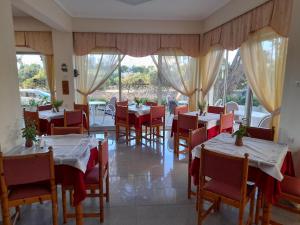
(139,111)
(72,150)
(265,155)
(210,119)
(49,115)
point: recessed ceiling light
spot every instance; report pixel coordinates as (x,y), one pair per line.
(134,2)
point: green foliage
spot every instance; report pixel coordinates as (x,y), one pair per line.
(29,131)
(38,81)
(137,101)
(241,132)
(57,103)
(202,106)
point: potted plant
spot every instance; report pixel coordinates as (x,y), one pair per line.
(56,104)
(138,102)
(201,107)
(240,133)
(29,133)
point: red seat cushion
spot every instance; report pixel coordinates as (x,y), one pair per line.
(92,176)
(291,185)
(226,190)
(28,191)
(156,122)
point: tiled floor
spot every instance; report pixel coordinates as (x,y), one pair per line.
(148,187)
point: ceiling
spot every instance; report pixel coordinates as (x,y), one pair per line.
(18,12)
(142,9)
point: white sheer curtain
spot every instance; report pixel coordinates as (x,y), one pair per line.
(180,72)
(209,69)
(94,70)
(264,58)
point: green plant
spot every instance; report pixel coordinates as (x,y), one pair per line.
(202,105)
(137,101)
(32,103)
(241,132)
(57,103)
(29,131)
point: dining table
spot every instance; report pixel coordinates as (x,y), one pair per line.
(48,117)
(268,163)
(74,155)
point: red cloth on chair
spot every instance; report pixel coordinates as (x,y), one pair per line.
(267,184)
(68,175)
(138,120)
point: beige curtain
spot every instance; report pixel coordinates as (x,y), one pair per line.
(180,72)
(94,70)
(49,69)
(264,58)
(209,69)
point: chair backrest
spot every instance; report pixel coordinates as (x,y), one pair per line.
(186,123)
(26,169)
(113,100)
(157,112)
(265,122)
(65,130)
(148,103)
(261,133)
(229,170)
(86,110)
(226,122)
(231,106)
(73,118)
(181,109)
(197,137)
(32,117)
(216,109)
(122,114)
(103,156)
(44,107)
(122,103)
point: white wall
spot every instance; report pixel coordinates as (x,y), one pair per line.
(136,26)
(290,112)
(29,24)
(10,110)
(63,53)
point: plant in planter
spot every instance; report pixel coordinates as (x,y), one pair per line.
(56,104)
(202,106)
(240,133)
(138,102)
(29,133)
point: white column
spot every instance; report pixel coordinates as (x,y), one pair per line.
(10,109)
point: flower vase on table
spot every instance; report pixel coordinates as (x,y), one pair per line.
(201,107)
(56,104)
(138,102)
(240,133)
(29,133)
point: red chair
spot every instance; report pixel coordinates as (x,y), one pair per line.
(86,110)
(185,123)
(65,130)
(44,107)
(94,181)
(122,103)
(261,133)
(181,109)
(216,109)
(27,179)
(226,123)
(151,103)
(73,118)
(122,120)
(224,179)
(32,117)
(157,120)
(196,137)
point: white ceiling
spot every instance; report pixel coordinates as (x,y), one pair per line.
(17,12)
(147,10)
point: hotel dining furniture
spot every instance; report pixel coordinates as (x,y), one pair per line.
(261,133)
(27,179)
(269,162)
(73,118)
(94,106)
(93,182)
(224,178)
(148,103)
(65,130)
(226,122)
(122,103)
(157,120)
(216,109)
(181,109)
(44,107)
(122,122)
(185,123)
(74,156)
(209,120)
(34,117)
(86,109)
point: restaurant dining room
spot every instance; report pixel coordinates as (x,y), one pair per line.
(146,112)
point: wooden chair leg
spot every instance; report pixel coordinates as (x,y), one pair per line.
(189,186)
(258,206)
(252,201)
(117,132)
(54,210)
(64,205)
(5,212)
(200,208)
(71,198)
(241,215)
(107,186)
(127,136)
(18,212)
(101,203)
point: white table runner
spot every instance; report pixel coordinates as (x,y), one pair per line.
(72,150)
(210,119)
(139,111)
(265,155)
(49,115)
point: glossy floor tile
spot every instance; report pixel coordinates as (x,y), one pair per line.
(148,187)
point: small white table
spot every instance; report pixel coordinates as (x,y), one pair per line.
(93,105)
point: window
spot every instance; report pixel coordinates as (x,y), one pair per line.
(32,80)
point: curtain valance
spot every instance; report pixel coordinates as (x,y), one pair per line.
(275,14)
(39,41)
(137,45)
